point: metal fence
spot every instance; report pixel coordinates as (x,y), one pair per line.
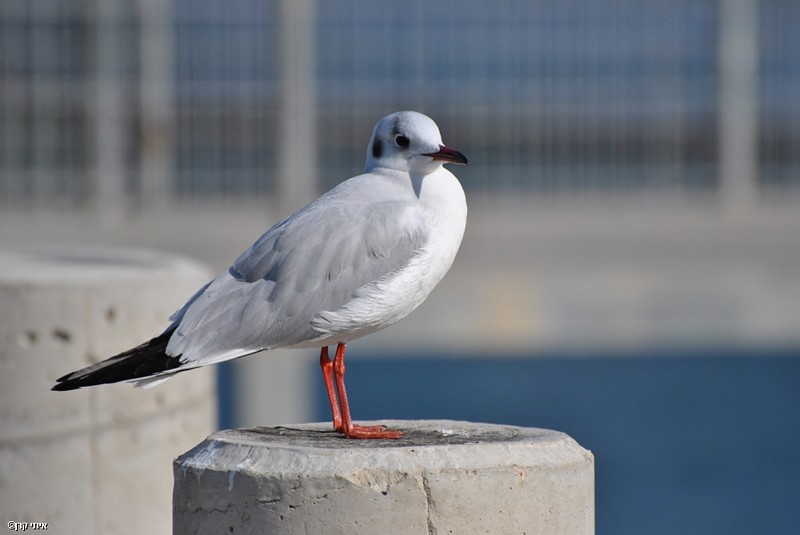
(146,102)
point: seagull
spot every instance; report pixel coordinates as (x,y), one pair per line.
(356,260)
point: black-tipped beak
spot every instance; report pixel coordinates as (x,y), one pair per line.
(446,154)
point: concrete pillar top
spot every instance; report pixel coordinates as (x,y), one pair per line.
(440,477)
(91,265)
(314,449)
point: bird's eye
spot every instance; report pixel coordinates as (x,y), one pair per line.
(402,141)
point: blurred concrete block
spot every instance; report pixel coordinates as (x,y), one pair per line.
(94,460)
(441,477)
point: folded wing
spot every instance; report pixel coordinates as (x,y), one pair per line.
(312,262)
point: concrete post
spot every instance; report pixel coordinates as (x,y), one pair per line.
(441,477)
(96,460)
(738,105)
(106,106)
(297,156)
(156,99)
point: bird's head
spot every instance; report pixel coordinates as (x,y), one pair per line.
(409,141)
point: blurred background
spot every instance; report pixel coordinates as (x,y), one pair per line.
(631,269)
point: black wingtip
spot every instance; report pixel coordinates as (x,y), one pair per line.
(141,362)
(64,385)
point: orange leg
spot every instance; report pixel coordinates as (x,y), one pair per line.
(327,373)
(347,426)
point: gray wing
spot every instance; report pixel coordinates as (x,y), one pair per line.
(311,262)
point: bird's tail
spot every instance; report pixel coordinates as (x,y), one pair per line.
(148,362)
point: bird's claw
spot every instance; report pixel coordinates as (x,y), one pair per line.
(370,432)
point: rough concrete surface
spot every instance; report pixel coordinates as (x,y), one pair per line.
(96,460)
(440,477)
